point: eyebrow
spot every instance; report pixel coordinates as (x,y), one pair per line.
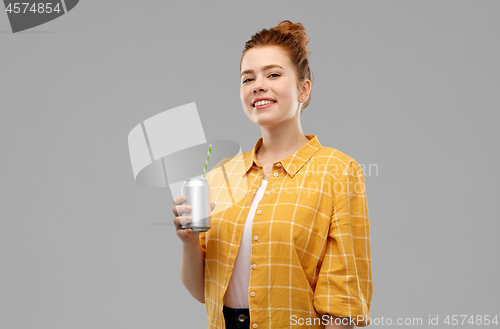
(264,68)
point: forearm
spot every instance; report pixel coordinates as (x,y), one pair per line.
(193,271)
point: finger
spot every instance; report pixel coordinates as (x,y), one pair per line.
(181,220)
(185,219)
(181,209)
(177,223)
(179,199)
(184,233)
(212,205)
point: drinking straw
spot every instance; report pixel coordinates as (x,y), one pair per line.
(206,161)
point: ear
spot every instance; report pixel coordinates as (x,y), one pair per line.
(305,90)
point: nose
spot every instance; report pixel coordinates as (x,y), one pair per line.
(258,86)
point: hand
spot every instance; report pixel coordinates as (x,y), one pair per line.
(185,234)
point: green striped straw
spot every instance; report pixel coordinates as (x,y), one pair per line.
(206,161)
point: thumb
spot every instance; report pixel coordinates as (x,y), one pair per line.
(213,205)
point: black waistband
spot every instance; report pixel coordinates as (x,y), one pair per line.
(236,317)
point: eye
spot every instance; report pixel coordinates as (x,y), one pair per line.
(276,74)
(244,81)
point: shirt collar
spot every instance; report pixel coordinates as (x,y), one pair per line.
(293,163)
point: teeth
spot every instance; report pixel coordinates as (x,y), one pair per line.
(263,103)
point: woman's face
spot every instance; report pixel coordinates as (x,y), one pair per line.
(267,73)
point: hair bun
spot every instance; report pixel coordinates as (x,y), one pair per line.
(296,30)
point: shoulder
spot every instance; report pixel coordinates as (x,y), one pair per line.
(233,161)
(334,160)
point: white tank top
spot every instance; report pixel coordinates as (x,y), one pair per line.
(237,291)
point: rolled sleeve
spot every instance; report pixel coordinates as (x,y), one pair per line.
(344,286)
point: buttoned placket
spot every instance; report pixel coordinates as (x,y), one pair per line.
(253,266)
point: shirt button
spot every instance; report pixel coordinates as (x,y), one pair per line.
(255,325)
(268,192)
(275,174)
(254,266)
(259,212)
(252,294)
(256,238)
(278,165)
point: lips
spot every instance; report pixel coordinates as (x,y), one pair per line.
(262,100)
(263,106)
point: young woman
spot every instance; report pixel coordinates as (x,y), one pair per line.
(292,251)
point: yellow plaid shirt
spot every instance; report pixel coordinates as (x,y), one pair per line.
(310,252)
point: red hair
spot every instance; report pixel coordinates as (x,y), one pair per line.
(293,39)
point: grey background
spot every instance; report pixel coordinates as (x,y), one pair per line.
(411,86)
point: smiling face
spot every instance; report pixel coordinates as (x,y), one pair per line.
(267,73)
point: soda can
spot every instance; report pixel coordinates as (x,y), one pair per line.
(197,192)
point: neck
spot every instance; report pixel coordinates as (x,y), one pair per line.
(280,141)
